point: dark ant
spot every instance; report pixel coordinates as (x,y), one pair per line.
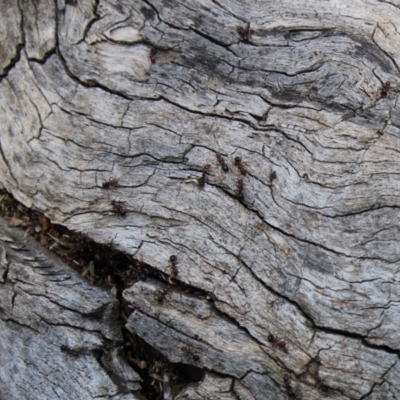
(69,351)
(224,165)
(162,295)
(281,344)
(118,208)
(271,338)
(286,380)
(240,186)
(291,393)
(174,268)
(385,89)
(272,176)
(190,353)
(202,179)
(141,274)
(153,53)
(238,163)
(243,33)
(110,183)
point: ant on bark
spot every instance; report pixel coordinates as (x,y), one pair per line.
(240,187)
(385,89)
(289,389)
(118,208)
(243,33)
(69,351)
(238,163)
(281,344)
(174,268)
(140,270)
(224,165)
(162,295)
(190,353)
(202,179)
(110,183)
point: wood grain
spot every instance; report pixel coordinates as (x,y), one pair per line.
(60,336)
(303,247)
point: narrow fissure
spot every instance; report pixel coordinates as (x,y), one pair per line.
(110,269)
(104,266)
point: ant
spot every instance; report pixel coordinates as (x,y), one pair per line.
(190,353)
(291,393)
(69,351)
(272,176)
(162,295)
(243,33)
(238,163)
(385,89)
(110,183)
(202,179)
(153,53)
(240,186)
(281,344)
(174,268)
(139,267)
(118,208)
(224,165)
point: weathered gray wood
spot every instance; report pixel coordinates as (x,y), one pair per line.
(211,388)
(190,330)
(44,305)
(149,92)
(39,27)
(11,34)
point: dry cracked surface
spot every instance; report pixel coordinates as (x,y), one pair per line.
(257,144)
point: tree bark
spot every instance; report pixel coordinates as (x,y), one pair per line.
(60,335)
(255,142)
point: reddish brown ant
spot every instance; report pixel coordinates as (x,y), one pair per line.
(110,183)
(281,344)
(162,295)
(385,89)
(238,163)
(291,393)
(174,268)
(190,353)
(69,351)
(202,179)
(240,187)
(243,33)
(118,208)
(206,168)
(224,165)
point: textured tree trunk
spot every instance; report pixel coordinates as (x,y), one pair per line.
(251,149)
